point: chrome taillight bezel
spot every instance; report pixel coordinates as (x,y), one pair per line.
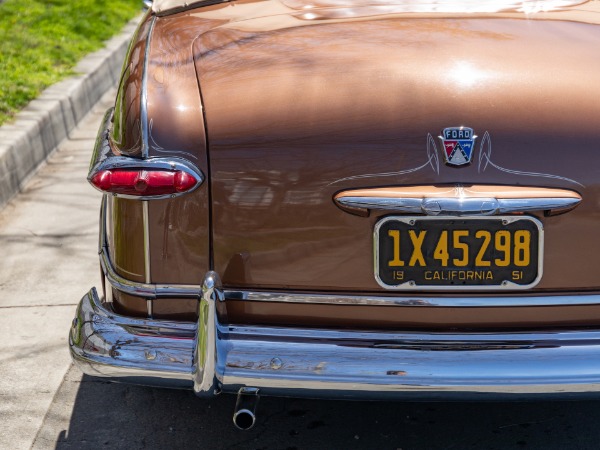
(104,159)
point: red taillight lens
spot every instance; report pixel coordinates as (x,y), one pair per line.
(143,183)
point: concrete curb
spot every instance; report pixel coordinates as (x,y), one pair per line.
(46,121)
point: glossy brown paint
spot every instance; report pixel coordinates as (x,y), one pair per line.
(176,124)
(129,305)
(168,309)
(124,221)
(297,113)
(166,7)
(286,137)
(125,230)
(178,228)
(126,136)
(405,317)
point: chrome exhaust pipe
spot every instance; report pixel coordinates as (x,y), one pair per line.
(244,415)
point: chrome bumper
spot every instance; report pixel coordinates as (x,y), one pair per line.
(211,357)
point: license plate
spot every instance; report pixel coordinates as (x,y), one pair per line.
(500,252)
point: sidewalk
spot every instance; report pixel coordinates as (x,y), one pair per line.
(48,235)
(48,239)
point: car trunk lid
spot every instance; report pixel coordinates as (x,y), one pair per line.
(298,113)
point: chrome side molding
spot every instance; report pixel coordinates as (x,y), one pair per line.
(477,200)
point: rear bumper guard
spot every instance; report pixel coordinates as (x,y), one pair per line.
(211,357)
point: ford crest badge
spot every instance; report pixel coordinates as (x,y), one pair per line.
(458,143)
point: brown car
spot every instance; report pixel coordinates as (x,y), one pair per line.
(351,199)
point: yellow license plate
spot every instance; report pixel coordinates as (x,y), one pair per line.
(500,252)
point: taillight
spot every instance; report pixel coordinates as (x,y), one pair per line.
(144,183)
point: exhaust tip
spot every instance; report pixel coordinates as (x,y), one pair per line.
(244,419)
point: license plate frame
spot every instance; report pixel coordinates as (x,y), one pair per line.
(413,281)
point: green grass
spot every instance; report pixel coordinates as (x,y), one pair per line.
(42,40)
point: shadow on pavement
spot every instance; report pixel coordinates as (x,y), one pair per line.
(119,416)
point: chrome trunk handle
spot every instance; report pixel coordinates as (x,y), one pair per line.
(458,200)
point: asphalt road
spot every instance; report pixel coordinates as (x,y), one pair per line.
(48,243)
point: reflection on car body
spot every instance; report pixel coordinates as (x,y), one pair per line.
(301,199)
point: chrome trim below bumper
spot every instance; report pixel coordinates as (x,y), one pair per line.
(413,300)
(212,357)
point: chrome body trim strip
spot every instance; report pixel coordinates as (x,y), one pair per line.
(150,308)
(102,237)
(147,273)
(459,206)
(144,94)
(413,300)
(146,243)
(213,357)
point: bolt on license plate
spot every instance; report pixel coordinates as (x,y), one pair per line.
(499,252)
